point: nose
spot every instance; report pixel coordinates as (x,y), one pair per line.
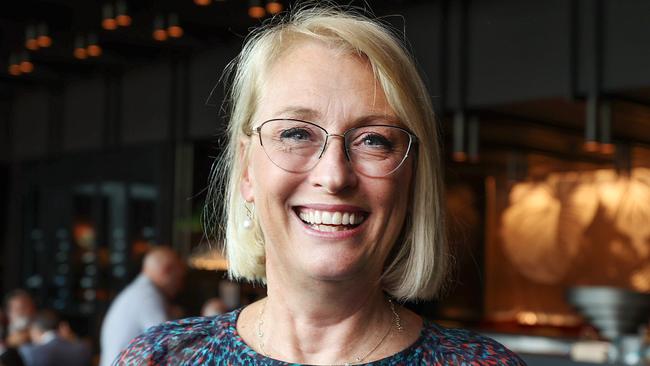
(333,172)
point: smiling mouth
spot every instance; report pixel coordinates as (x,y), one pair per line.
(329,221)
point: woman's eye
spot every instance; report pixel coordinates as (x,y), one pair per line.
(375,140)
(296,134)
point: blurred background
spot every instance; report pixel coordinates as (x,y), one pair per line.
(110,118)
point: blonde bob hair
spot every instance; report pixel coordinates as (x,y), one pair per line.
(417,265)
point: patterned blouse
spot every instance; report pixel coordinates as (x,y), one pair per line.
(215,341)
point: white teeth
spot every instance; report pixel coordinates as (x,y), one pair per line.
(328,228)
(326,218)
(316,217)
(336,218)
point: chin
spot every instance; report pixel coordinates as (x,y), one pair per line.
(336,269)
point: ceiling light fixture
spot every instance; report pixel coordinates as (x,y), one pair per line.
(159,32)
(43,38)
(108,17)
(26,66)
(80,48)
(202,2)
(255,9)
(274,6)
(174,29)
(123,19)
(93,49)
(30,37)
(14,65)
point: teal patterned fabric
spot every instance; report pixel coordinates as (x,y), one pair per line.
(215,341)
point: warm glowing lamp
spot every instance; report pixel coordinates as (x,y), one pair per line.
(26,66)
(14,70)
(80,53)
(274,7)
(174,30)
(43,39)
(79,48)
(160,35)
(31,44)
(159,32)
(109,24)
(108,20)
(256,10)
(123,19)
(93,49)
(14,67)
(30,38)
(202,2)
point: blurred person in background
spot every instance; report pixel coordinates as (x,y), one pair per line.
(48,348)
(143,303)
(20,308)
(9,356)
(213,306)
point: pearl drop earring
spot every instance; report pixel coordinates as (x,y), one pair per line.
(248,221)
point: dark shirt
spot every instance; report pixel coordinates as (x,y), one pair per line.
(56,352)
(11,357)
(215,341)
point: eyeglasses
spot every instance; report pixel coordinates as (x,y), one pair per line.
(296,146)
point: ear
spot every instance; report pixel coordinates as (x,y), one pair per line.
(246,182)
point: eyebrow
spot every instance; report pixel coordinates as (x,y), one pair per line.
(313,115)
(300,113)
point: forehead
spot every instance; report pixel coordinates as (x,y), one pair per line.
(316,81)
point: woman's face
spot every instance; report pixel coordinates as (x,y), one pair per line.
(336,91)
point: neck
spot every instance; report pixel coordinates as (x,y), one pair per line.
(332,321)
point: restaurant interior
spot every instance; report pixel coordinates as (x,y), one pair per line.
(111,117)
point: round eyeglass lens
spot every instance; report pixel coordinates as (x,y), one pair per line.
(377,151)
(292,145)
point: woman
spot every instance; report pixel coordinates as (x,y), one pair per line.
(333,199)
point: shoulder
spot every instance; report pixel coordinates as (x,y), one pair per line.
(460,346)
(187,341)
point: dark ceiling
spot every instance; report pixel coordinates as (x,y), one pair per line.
(203,26)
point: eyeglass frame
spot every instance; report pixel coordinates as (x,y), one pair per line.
(413,140)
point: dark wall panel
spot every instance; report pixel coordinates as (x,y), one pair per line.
(626,44)
(83,115)
(518,50)
(423,26)
(5,130)
(146,108)
(205,71)
(30,117)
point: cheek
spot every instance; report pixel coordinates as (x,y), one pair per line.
(272,186)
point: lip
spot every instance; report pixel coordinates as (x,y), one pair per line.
(332,235)
(332,208)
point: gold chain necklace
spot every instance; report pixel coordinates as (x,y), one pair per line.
(396,321)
